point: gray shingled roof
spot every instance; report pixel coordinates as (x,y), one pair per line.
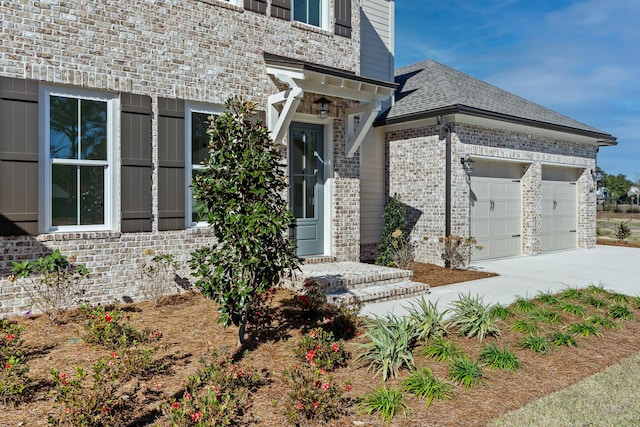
(428,88)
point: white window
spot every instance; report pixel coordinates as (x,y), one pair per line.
(312,12)
(78,171)
(197,146)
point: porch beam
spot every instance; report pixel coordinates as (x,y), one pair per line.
(356,134)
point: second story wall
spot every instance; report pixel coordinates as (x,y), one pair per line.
(202,50)
(377,39)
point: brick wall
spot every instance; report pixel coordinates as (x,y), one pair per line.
(196,50)
(416,172)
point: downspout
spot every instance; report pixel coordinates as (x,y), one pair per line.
(447,177)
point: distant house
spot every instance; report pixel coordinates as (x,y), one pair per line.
(532,188)
(102,109)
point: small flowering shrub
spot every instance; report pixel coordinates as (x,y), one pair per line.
(84,402)
(314,395)
(13,364)
(54,283)
(158,276)
(345,322)
(321,350)
(456,251)
(213,397)
(138,362)
(111,329)
(312,297)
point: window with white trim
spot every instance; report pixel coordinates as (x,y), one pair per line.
(197,146)
(77,177)
(312,12)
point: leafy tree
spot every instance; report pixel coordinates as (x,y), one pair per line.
(239,193)
(617,185)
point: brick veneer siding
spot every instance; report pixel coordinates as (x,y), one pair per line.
(416,172)
(196,50)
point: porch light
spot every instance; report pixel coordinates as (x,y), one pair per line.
(323,109)
(597,175)
(467,164)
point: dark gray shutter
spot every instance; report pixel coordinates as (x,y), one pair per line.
(171,164)
(259,6)
(18,157)
(136,162)
(281,9)
(343,18)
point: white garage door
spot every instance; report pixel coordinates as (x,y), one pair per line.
(496,205)
(559,208)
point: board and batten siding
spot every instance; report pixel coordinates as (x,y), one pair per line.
(376,44)
(372,186)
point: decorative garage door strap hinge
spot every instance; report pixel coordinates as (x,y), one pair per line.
(572,231)
(515,235)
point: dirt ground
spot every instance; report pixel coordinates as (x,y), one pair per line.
(190,331)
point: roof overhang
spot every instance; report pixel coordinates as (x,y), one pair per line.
(302,76)
(602,139)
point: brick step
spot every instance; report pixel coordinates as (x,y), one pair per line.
(343,276)
(379,293)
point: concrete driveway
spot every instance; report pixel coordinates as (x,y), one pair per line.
(616,267)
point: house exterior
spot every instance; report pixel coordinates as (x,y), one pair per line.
(532,188)
(102,107)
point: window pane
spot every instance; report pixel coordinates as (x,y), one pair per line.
(300,10)
(194,202)
(311,197)
(93,138)
(297,193)
(199,137)
(314,12)
(63,127)
(64,193)
(91,195)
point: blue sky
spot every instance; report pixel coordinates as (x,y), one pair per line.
(579,58)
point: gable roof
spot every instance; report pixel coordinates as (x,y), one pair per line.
(429,89)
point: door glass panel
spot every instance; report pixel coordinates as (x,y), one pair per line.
(310,197)
(297,189)
(304,173)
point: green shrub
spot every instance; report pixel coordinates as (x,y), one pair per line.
(214,396)
(619,298)
(545,316)
(54,283)
(390,345)
(321,350)
(466,372)
(573,309)
(597,290)
(442,349)
(473,318)
(393,234)
(456,250)
(621,312)
(81,402)
(636,301)
(111,328)
(546,298)
(558,338)
(535,343)
(524,326)
(500,312)
(312,297)
(585,329)
(239,193)
(345,322)
(314,396)
(13,364)
(424,385)
(428,322)
(523,304)
(497,358)
(572,294)
(622,230)
(604,322)
(594,301)
(386,402)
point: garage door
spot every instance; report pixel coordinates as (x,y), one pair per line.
(559,208)
(496,205)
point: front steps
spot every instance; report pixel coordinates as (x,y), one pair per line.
(350,282)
